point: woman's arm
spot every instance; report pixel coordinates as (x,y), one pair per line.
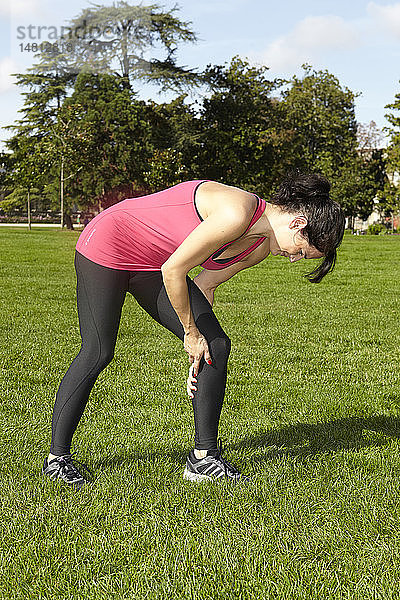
(228,221)
(226,224)
(208,281)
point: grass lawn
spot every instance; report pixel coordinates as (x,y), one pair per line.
(312,411)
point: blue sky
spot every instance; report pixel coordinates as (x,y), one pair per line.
(358,41)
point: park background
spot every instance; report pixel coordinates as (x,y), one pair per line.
(119,101)
(312,404)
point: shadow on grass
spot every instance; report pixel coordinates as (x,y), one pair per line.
(305,440)
(147,457)
(301,440)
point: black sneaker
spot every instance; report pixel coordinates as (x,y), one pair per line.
(63,468)
(212,467)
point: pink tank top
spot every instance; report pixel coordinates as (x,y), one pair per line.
(140,234)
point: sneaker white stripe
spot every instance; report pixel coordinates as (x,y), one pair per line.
(210,470)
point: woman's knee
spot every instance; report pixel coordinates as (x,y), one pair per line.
(97,358)
(105,358)
(220,347)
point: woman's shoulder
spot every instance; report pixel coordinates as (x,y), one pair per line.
(212,196)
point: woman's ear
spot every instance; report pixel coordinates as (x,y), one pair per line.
(298,222)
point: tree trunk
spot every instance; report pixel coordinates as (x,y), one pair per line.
(29,211)
(62,191)
(124,46)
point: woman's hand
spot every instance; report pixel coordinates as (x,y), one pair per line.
(195,344)
(191,383)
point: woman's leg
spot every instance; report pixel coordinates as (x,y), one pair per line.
(100,296)
(149,290)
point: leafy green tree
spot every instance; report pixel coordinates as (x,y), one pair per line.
(241,139)
(5,176)
(64,149)
(31,165)
(355,186)
(45,146)
(165,169)
(174,137)
(117,139)
(113,39)
(26,167)
(326,138)
(119,148)
(45,95)
(391,196)
(22,198)
(321,117)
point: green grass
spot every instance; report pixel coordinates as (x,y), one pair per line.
(311,411)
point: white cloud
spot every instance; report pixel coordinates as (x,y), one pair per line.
(306,41)
(7,66)
(387,17)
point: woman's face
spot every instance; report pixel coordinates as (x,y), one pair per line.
(287,240)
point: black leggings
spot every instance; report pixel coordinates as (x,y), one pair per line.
(101,294)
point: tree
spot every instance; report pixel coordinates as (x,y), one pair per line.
(5,176)
(117,139)
(18,183)
(65,148)
(120,142)
(321,116)
(27,165)
(391,194)
(361,182)
(31,165)
(175,140)
(102,37)
(355,186)
(241,140)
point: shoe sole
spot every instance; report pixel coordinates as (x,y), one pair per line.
(198,477)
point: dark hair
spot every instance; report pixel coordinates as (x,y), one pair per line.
(308,193)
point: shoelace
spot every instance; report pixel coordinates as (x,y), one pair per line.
(228,468)
(69,468)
